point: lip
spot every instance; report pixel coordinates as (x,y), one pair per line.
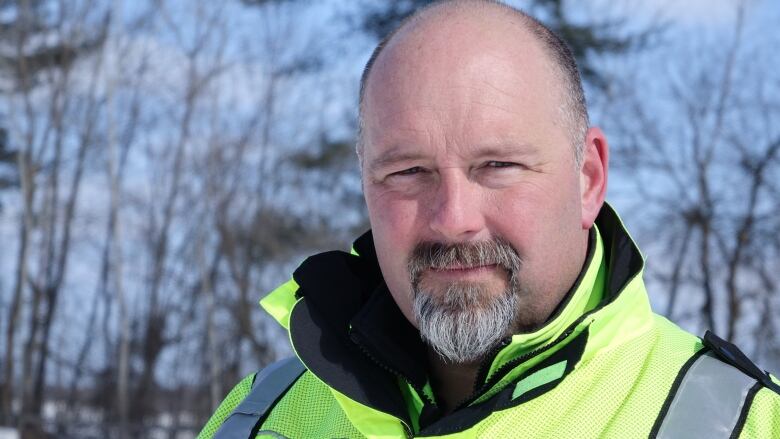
(463,272)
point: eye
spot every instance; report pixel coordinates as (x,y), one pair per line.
(410,171)
(496,164)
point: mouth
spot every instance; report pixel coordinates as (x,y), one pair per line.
(462,271)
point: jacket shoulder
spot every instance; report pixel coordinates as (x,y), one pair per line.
(231,401)
(243,409)
(732,355)
(760,414)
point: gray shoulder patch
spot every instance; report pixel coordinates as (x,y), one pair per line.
(708,401)
(269,384)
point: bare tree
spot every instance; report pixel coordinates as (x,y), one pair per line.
(157,202)
(50,174)
(706,173)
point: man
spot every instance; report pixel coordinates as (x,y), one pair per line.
(496,295)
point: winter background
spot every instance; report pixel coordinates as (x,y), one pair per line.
(165,163)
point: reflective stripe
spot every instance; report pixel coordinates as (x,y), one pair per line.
(708,402)
(270,383)
(539,378)
(268,433)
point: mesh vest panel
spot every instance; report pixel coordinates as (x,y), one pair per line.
(616,394)
(763,419)
(230,402)
(309,410)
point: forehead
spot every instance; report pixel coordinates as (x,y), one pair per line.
(459,82)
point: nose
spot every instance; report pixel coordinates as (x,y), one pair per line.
(455,210)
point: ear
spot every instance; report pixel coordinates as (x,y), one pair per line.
(593,175)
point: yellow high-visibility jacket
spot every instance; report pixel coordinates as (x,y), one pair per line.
(604,365)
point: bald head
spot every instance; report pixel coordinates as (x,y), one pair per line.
(479,26)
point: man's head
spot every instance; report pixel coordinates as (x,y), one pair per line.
(479,202)
(574,112)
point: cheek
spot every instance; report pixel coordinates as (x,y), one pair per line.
(391,215)
(394,231)
(535,215)
(516,218)
(393,223)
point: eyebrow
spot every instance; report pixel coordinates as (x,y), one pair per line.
(397,155)
(505,150)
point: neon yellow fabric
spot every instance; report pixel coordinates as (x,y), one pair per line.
(763,420)
(322,418)
(623,385)
(585,298)
(371,423)
(615,394)
(279,302)
(616,390)
(236,395)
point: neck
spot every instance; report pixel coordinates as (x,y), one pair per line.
(452,382)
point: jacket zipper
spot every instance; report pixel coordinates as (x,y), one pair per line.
(482,371)
(355,340)
(485,366)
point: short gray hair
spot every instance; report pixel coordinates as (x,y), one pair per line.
(574,109)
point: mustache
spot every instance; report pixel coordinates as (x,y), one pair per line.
(437,255)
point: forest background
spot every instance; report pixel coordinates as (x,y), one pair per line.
(165,163)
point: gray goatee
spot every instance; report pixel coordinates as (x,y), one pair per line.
(463,322)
